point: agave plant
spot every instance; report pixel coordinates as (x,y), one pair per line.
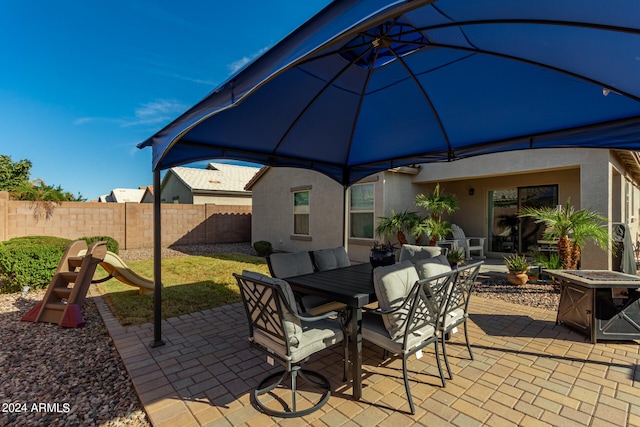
(572,229)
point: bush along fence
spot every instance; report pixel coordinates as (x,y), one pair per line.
(131,224)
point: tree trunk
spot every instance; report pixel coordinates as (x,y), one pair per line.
(576,254)
(402,239)
(564,251)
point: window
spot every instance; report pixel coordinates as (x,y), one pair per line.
(361,211)
(301,212)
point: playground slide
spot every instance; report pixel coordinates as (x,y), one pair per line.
(116,267)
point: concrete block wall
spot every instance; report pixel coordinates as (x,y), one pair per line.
(131,224)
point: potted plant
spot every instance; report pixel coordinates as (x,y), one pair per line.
(435,203)
(398,223)
(456,257)
(517,266)
(382,254)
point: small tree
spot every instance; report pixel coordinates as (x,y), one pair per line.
(398,224)
(13,174)
(44,197)
(436,204)
(572,229)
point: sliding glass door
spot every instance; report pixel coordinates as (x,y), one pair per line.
(509,233)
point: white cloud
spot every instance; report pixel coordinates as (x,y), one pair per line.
(151,113)
(235,66)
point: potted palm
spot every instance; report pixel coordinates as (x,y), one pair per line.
(517,266)
(456,257)
(436,204)
(398,223)
(572,229)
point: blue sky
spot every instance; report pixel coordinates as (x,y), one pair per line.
(83,82)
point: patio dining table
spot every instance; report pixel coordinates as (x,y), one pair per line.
(353,286)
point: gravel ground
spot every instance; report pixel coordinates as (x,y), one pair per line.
(54,376)
(540,294)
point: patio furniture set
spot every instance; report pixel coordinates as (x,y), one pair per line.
(315,300)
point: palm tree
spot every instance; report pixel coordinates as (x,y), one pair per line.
(44,198)
(572,229)
(435,229)
(398,224)
(435,203)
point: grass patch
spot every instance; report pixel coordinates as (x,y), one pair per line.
(191,284)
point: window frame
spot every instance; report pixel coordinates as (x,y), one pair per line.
(370,211)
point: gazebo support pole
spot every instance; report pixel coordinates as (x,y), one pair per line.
(157,263)
(345,218)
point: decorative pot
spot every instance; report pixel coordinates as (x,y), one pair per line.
(517,278)
(380,258)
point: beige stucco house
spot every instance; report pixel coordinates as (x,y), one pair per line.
(303,210)
(219,183)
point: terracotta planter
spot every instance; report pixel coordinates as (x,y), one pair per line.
(517,278)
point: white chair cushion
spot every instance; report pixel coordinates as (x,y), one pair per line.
(374,330)
(329,259)
(315,336)
(414,253)
(392,285)
(291,264)
(432,267)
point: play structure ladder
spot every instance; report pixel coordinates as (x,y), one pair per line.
(69,286)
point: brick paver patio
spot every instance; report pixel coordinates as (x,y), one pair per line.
(527,371)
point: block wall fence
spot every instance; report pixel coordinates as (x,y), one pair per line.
(131,224)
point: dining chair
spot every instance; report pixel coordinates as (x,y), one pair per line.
(277,329)
(470,244)
(407,319)
(414,253)
(456,311)
(289,264)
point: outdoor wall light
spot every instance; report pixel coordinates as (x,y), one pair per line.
(472,191)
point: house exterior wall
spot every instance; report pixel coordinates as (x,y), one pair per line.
(175,191)
(273,210)
(238,200)
(592,178)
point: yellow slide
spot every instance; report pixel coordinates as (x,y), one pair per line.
(116,268)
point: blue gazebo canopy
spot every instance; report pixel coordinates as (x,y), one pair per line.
(368,85)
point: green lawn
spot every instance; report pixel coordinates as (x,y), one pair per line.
(191,284)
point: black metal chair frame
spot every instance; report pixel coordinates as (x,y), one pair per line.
(423,310)
(459,298)
(257,301)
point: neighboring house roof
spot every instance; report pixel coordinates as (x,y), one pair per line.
(124,195)
(217,177)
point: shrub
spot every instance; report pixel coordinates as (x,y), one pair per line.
(263,248)
(112,244)
(29,261)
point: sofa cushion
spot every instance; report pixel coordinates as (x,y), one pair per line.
(329,259)
(291,264)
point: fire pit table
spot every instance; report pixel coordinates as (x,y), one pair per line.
(602,304)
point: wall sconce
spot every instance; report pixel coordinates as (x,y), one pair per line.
(472,191)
